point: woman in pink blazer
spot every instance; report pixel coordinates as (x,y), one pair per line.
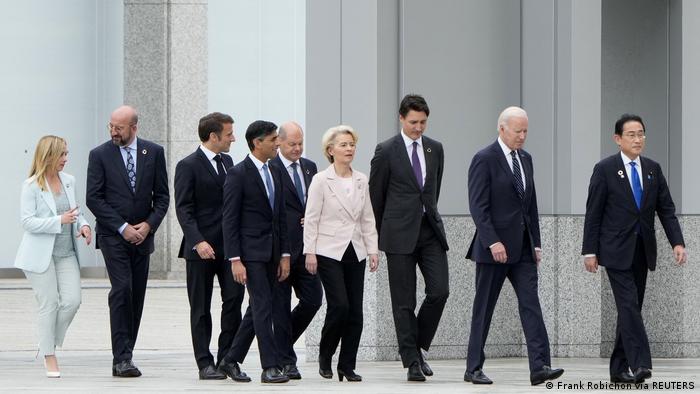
(339,236)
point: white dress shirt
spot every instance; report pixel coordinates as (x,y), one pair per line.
(628,169)
(419,149)
(122,149)
(506,152)
(288,166)
(259,164)
(211,155)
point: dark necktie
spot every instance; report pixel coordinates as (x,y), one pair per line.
(297,183)
(517,175)
(415,163)
(270,190)
(636,185)
(220,169)
(130,169)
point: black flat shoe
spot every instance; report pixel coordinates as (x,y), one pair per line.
(623,377)
(546,373)
(415,374)
(324,367)
(641,374)
(348,374)
(233,371)
(125,369)
(477,377)
(273,375)
(211,373)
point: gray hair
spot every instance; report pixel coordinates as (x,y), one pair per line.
(331,134)
(510,112)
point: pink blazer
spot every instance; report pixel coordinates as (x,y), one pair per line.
(333,220)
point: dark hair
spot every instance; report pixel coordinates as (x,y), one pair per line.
(258,130)
(628,118)
(413,102)
(212,123)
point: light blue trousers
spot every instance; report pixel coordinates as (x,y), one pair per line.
(57,292)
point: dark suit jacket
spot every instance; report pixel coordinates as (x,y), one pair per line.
(252,230)
(398,201)
(109,195)
(199,201)
(294,207)
(498,212)
(612,217)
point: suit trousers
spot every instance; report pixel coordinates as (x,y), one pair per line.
(489,281)
(343,282)
(128,274)
(57,291)
(258,318)
(290,324)
(200,285)
(417,332)
(631,341)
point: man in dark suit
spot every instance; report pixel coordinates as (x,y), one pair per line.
(297,173)
(199,183)
(503,204)
(127,191)
(255,242)
(405,179)
(624,193)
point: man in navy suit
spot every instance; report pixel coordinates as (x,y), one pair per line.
(404,185)
(503,204)
(297,173)
(624,193)
(127,191)
(255,242)
(199,186)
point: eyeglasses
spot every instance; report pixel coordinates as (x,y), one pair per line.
(118,129)
(634,136)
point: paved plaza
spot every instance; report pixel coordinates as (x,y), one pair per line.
(164,355)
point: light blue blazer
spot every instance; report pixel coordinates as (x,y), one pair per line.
(41,223)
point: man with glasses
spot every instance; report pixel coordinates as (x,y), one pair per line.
(127,191)
(624,193)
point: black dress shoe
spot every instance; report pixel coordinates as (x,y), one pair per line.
(291,371)
(641,374)
(414,373)
(211,373)
(546,373)
(233,371)
(424,367)
(125,369)
(324,367)
(273,375)
(622,377)
(348,374)
(477,377)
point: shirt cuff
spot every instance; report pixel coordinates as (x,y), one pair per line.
(589,255)
(492,245)
(286,255)
(122,227)
(234,259)
(538,249)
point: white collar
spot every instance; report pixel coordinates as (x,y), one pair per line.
(257,162)
(626,160)
(504,147)
(408,141)
(208,153)
(286,162)
(133,146)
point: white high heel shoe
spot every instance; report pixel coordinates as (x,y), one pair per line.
(51,374)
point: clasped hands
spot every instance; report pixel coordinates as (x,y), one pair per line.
(136,233)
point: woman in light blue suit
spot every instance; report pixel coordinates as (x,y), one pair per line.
(48,253)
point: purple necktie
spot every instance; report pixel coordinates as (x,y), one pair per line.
(415,163)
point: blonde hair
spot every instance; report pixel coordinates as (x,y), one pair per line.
(331,134)
(48,151)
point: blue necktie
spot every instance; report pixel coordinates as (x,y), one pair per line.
(415,163)
(270,190)
(130,169)
(297,183)
(636,185)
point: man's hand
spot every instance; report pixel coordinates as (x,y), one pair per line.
(538,256)
(132,235)
(283,269)
(373,262)
(591,263)
(680,255)
(205,251)
(85,232)
(238,271)
(143,229)
(302,221)
(498,251)
(311,263)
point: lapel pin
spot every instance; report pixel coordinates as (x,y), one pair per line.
(308,172)
(144,151)
(621,174)
(428,150)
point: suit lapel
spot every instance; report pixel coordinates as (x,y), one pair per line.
(121,167)
(429,161)
(47,195)
(142,154)
(209,168)
(503,162)
(253,173)
(334,183)
(624,183)
(400,151)
(646,179)
(289,185)
(68,186)
(307,174)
